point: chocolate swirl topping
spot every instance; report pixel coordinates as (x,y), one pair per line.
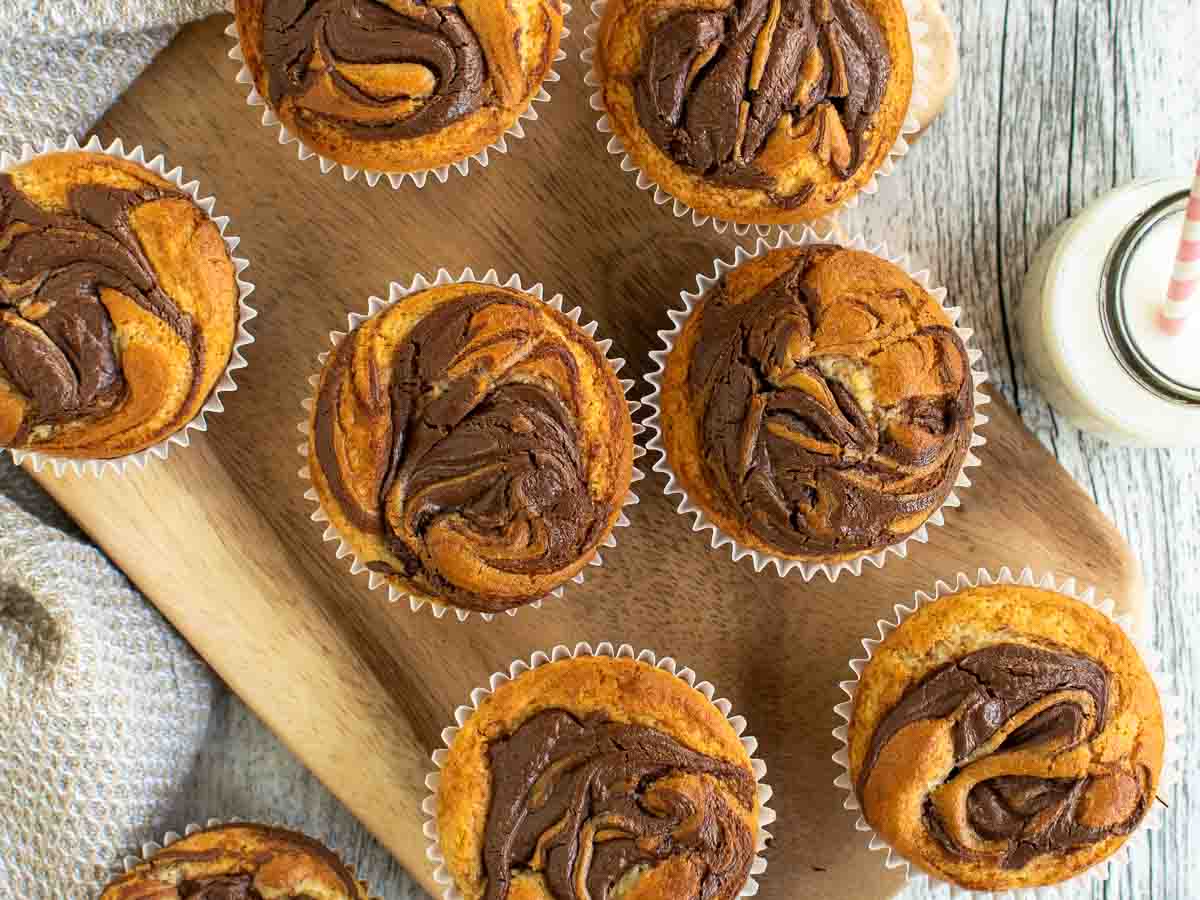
(476,439)
(58,345)
(805,435)
(378,73)
(239,862)
(234,887)
(1015,709)
(718,88)
(583,802)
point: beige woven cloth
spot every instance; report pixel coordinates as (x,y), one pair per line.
(63,62)
(103,707)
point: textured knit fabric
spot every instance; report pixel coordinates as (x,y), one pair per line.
(103,707)
(63,62)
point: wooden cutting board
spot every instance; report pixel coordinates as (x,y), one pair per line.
(219,537)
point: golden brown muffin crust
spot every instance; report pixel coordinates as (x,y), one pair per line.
(757,111)
(118,307)
(399,85)
(472,445)
(817,404)
(240,862)
(620,692)
(1058,716)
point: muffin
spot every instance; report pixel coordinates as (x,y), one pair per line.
(754,111)
(240,862)
(118,307)
(472,445)
(398,86)
(1005,737)
(817,404)
(597,777)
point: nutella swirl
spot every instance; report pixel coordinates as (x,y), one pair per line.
(233,887)
(474,447)
(717,88)
(1015,791)
(825,437)
(379,71)
(239,862)
(584,802)
(58,345)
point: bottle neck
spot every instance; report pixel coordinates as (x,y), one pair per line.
(1115,310)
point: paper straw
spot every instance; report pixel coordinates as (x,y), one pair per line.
(1182,296)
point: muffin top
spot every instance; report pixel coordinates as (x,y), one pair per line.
(472,444)
(240,862)
(818,404)
(118,306)
(597,777)
(399,85)
(1006,737)
(757,111)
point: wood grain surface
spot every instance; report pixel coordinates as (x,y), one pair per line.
(219,538)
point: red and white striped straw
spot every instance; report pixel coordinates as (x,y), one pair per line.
(1183,296)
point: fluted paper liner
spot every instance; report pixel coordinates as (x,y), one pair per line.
(701,520)
(225,384)
(766,815)
(397,292)
(150,848)
(395,179)
(922,54)
(1173,728)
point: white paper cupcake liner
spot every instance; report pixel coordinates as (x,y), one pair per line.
(917,104)
(396,292)
(150,848)
(702,521)
(1173,722)
(225,384)
(395,179)
(766,815)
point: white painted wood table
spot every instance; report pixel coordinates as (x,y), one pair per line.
(1060,100)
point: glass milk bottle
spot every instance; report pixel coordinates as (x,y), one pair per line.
(1089,320)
